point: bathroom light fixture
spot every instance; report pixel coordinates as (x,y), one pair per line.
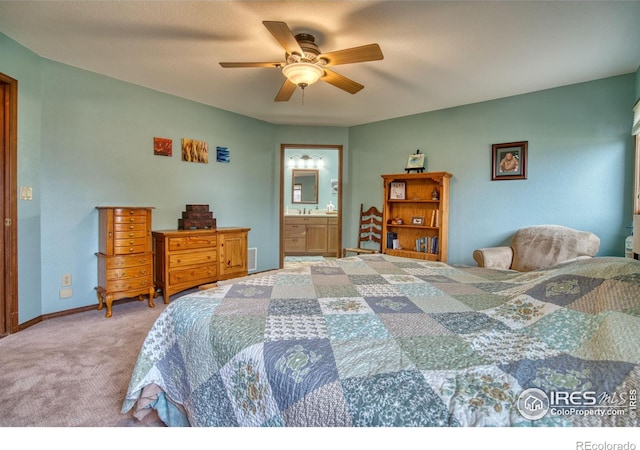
(302,74)
(305,161)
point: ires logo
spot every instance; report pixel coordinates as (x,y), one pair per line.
(534,403)
(560,399)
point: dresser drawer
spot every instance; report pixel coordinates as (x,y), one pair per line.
(177,260)
(129,219)
(192,242)
(203,273)
(127,227)
(129,284)
(130,233)
(130,249)
(128,273)
(130,212)
(118,262)
(130,242)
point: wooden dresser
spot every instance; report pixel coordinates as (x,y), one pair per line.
(125,256)
(188,258)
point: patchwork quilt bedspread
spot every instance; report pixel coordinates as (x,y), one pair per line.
(376,340)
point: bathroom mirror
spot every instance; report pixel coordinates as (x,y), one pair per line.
(304,186)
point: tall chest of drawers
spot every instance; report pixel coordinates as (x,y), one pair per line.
(125,255)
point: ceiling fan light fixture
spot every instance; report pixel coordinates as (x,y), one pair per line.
(302,74)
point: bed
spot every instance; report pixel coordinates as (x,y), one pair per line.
(376,340)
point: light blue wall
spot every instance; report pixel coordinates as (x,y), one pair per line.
(580,163)
(86,140)
(97,149)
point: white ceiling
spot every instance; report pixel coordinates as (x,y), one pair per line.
(436,54)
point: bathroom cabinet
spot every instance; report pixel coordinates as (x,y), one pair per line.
(311,235)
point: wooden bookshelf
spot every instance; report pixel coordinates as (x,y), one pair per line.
(420,201)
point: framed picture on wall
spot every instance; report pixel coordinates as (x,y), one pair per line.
(509,161)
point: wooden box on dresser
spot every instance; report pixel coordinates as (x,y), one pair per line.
(125,256)
(420,201)
(188,258)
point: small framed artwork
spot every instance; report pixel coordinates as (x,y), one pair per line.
(195,151)
(417,221)
(223,155)
(415,162)
(509,161)
(397,190)
(162,146)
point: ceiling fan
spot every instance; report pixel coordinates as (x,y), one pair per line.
(305,64)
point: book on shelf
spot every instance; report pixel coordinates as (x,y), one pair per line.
(427,244)
(390,238)
(435,219)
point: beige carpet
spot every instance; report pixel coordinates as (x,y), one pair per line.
(74,371)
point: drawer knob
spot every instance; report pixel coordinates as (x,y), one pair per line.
(131,219)
(131,250)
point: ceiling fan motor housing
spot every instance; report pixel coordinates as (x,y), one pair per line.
(308,45)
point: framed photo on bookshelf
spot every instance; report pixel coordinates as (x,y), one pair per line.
(417,221)
(416,161)
(397,190)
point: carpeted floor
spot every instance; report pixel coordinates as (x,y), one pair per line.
(73,371)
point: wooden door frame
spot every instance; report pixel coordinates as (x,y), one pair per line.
(9,153)
(283,167)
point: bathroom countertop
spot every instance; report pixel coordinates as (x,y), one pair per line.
(313,215)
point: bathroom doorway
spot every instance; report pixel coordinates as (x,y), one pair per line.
(310,200)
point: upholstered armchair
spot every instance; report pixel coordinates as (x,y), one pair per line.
(538,247)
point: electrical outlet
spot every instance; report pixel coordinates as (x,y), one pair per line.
(66,279)
(66,292)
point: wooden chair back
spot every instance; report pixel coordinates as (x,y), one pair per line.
(369,232)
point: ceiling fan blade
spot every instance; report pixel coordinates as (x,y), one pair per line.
(364,53)
(284,36)
(231,65)
(286,91)
(340,81)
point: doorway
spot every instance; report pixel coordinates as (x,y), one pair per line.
(8,205)
(322,208)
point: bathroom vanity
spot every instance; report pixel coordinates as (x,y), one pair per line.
(311,235)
